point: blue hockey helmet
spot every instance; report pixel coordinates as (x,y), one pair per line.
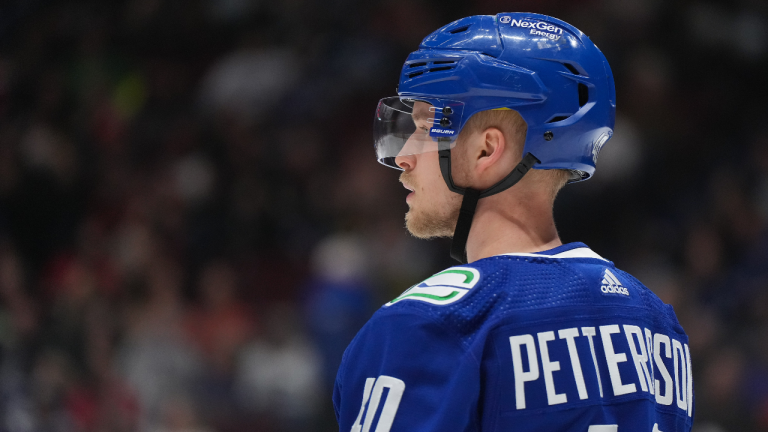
(542,67)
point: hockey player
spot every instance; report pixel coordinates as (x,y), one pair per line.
(494,114)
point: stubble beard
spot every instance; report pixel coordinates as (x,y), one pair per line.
(433,222)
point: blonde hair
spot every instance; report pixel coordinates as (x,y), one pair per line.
(514,128)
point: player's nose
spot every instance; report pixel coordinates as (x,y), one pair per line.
(406,162)
(406,158)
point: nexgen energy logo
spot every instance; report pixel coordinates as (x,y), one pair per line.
(446,287)
(538,28)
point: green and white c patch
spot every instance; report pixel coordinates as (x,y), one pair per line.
(446,287)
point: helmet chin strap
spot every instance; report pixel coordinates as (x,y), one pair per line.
(471,196)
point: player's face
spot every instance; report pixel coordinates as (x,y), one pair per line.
(433,208)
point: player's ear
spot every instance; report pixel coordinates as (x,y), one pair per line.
(490,149)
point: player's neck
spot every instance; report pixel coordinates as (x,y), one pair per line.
(501,226)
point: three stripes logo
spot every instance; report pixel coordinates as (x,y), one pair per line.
(612,285)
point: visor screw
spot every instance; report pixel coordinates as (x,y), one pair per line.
(444,122)
(447,110)
(548,135)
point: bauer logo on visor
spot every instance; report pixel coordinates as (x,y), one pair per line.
(441,132)
(406,126)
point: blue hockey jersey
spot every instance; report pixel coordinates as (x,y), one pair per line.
(551,341)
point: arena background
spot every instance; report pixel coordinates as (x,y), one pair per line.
(193,224)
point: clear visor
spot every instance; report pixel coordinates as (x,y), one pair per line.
(405,127)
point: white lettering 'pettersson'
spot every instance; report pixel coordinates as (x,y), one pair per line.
(613,359)
(640,358)
(589,332)
(649,345)
(680,380)
(658,339)
(553,398)
(517,361)
(645,347)
(569,335)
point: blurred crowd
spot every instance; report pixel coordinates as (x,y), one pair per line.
(193,224)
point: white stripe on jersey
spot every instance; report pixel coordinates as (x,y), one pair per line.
(573,253)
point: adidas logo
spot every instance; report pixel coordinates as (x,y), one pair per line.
(611,284)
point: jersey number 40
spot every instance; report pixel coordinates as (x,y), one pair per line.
(374,388)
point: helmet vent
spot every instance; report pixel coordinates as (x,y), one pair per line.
(583,94)
(442,65)
(583,89)
(420,68)
(459,30)
(571,68)
(558,118)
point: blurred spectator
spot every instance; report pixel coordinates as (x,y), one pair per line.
(338,299)
(221,324)
(248,83)
(278,375)
(219,327)
(156,358)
